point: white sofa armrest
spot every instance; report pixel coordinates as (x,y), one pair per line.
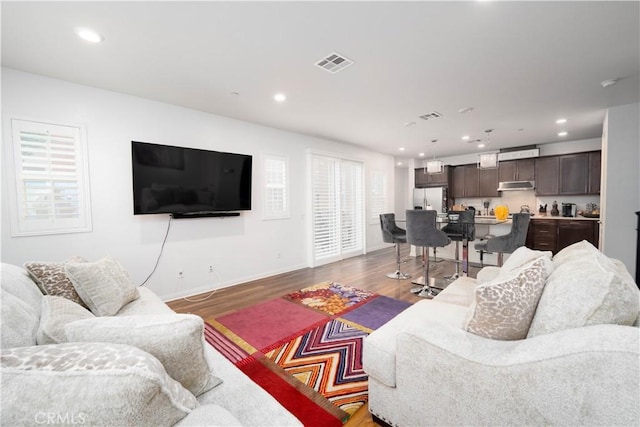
(578,376)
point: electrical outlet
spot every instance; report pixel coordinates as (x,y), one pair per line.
(210,268)
(180,274)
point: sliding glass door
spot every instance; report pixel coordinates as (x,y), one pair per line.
(337,209)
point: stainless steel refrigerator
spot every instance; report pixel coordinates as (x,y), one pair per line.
(433,197)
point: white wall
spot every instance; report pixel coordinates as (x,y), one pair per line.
(241,248)
(401,192)
(621,183)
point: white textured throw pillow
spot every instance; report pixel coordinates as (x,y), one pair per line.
(94,384)
(503,308)
(55,313)
(586,288)
(523,255)
(176,340)
(103,285)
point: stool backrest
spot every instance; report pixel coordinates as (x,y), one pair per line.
(462,223)
(422,230)
(389,227)
(516,237)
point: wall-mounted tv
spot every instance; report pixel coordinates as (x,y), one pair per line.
(188,181)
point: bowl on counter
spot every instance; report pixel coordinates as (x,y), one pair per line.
(589,215)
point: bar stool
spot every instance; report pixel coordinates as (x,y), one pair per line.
(391,233)
(509,242)
(461,228)
(422,231)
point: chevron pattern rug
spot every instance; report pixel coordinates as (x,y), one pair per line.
(305,348)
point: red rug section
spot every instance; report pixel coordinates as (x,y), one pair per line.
(263,324)
(309,413)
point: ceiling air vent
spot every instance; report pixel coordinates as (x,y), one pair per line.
(430,116)
(334,62)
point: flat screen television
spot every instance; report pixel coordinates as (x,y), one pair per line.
(188,181)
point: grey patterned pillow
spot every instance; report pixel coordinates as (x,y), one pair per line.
(52,279)
(95,383)
(503,308)
(103,285)
(55,313)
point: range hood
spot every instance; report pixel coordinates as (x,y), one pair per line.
(516,185)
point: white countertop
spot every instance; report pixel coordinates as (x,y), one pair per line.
(563,218)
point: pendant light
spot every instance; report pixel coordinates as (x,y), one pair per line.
(434,166)
(488,160)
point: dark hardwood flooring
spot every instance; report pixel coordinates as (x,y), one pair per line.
(365,272)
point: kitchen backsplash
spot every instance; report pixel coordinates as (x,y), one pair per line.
(514,200)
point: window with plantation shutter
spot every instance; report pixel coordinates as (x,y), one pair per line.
(50,179)
(377,196)
(337,209)
(276,187)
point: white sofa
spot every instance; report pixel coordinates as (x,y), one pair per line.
(41,384)
(577,365)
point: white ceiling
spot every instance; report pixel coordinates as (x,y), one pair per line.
(520,65)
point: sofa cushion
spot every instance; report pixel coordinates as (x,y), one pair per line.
(503,308)
(147,303)
(52,279)
(379,354)
(208,415)
(19,321)
(103,285)
(93,383)
(586,288)
(175,339)
(57,312)
(16,281)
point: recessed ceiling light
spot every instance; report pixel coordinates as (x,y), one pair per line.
(466,137)
(399,163)
(401,148)
(89,35)
(235,94)
(408,124)
(465,110)
(560,121)
(563,133)
(421,154)
(280,97)
(481,145)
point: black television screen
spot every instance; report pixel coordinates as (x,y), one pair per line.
(179,180)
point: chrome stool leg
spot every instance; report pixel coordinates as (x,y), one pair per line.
(456,275)
(398,275)
(426,291)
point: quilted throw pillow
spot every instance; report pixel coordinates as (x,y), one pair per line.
(103,285)
(176,340)
(52,279)
(503,308)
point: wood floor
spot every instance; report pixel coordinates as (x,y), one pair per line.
(365,271)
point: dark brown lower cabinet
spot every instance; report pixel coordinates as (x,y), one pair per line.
(556,234)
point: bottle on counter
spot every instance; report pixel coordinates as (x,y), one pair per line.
(554,209)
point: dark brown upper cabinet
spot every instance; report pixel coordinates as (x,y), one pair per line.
(423,179)
(516,170)
(547,170)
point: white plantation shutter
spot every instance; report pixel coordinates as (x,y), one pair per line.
(51,193)
(337,208)
(378,196)
(276,187)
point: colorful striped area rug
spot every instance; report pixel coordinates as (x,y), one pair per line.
(305,348)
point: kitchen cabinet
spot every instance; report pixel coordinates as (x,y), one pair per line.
(570,232)
(423,179)
(469,181)
(517,170)
(556,234)
(595,161)
(574,173)
(546,174)
(488,183)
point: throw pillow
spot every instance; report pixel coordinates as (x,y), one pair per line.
(55,313)
(503,308)
(176,340)
(52,279)
(89,384)
(586,288)
(103,285)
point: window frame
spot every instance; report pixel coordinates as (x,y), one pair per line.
(22,226)
(284,213)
